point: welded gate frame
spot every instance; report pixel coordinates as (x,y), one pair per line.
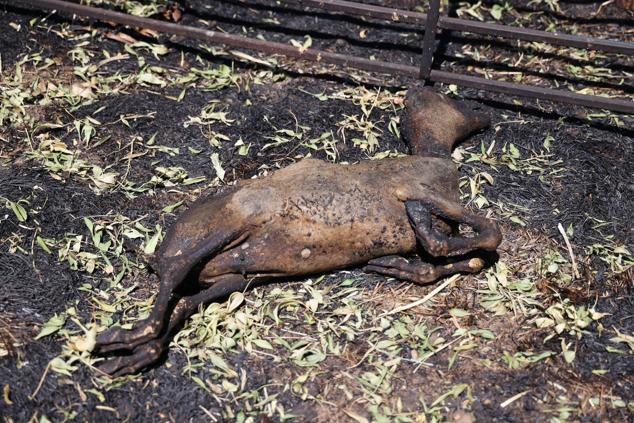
(432,21)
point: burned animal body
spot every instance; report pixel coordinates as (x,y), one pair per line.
(314,217)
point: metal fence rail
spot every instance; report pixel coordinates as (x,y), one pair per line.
(463,25)
(320,56)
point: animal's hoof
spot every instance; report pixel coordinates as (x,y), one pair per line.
(476,264)
(142,357)
(116,339)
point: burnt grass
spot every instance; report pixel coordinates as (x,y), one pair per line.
(595,184)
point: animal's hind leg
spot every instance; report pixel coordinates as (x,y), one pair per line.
(173,271)
(487,233)
(440,243)
(418,271)
(148,353)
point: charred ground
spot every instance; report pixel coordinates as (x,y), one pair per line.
(95,163)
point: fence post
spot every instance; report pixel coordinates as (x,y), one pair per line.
(429,40)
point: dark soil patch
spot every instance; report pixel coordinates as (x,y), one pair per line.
(38,285)
(593,355)
(596,183)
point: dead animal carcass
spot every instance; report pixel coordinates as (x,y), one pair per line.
(314,217)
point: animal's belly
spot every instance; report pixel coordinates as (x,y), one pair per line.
(299,243)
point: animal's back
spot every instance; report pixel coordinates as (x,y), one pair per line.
(319,189)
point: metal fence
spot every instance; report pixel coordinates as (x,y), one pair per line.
(430,23)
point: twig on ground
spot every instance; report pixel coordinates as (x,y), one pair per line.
(575,271)
(422,300)
(39,385)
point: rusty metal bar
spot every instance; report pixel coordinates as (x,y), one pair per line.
(429,39)
(330,58)
(230,40)
(496,30)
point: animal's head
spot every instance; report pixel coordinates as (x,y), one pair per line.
(433,122)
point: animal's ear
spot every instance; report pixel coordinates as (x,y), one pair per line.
(475,119)
(433,122)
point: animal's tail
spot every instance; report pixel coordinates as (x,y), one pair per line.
(433,122)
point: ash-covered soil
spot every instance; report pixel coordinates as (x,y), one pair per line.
(107,135)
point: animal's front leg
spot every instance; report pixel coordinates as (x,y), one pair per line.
(146,354)
(117,338)
(173,270)
(487,233)
(418,271)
